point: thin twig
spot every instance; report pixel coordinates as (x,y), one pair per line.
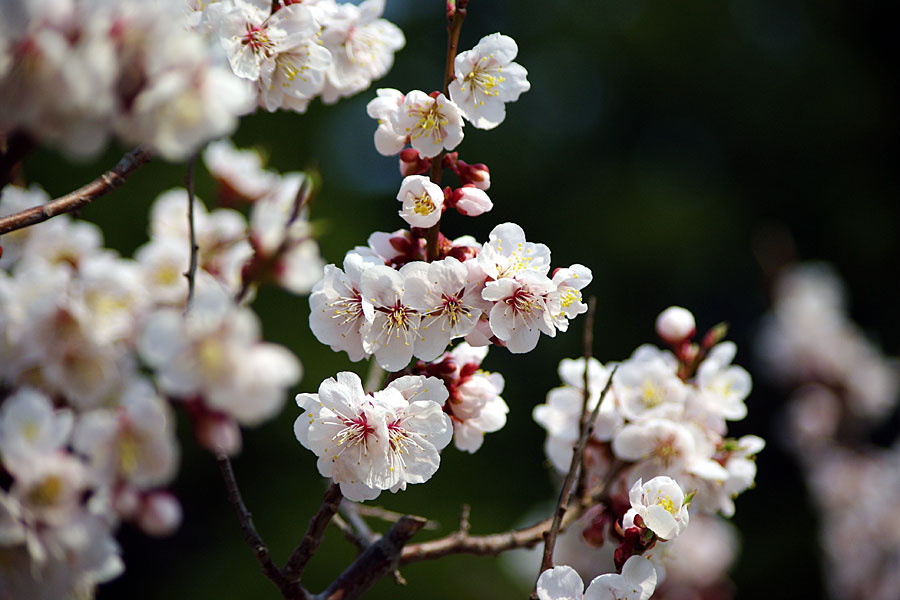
(586,390)
(378,560)
(384,514)
(191,273)
(81,197)
(304,551)
(350,533)
(254,540)
(364,533)
(562,504)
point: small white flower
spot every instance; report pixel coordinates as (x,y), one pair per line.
(29,425)
(646,385)
(569,283)
(423,201)
(387,102)
(506,253)
(392,330)
(432,124)
(524,307)
(675,324)
(723,386)
(637,582)
(486,79)
(660,503)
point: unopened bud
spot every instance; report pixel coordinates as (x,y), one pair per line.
(126,501)
(480,176)
(471,201)
(218,433)
(160,514)
(715,335)
(675,325)
(412,164)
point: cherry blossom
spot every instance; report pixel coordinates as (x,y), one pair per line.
(506,253)
(660,503)
(432,124)
(675,324)
(422,201)
(637,582)
(486,79)
(524,308)
(386,103)
(392,330)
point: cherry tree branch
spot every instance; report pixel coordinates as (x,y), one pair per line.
(288,588)
(562,505)
(106,183)
(191,273)
(304,551)
(586,393)
(379,559)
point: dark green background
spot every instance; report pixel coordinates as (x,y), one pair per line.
(661,143)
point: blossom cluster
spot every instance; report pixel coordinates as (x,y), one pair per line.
(75,72)
(497,292)
(383,441)
(174,75)
(87,437)
(292,52)
(661,429)
(841,389)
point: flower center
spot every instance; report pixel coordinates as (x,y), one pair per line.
(47,492)
(257,38)
(423,205)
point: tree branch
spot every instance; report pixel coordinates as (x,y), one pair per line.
(375,562)
(564,494)
(289,589)
(586,390)
(304,551)
(81,197)
(191,273)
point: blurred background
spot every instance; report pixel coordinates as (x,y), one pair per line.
(671,147)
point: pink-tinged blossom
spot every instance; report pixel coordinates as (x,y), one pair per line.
(660,503)
(369,443)
(471,201)
(524,306)
(240,173)
(392,327)
(486,79)
(432,124)
(506,253)
(387,102)
(336,315)
(297,76)
(422,200)
(447,295)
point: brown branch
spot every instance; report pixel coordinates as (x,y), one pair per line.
(81,197)
(351,535)
(561,506)
(379,559)
(191,273)
(304,551)
(288,589)
(586,393)
(384,514)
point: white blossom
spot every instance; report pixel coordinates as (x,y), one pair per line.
(392,327)
(422,200)
(385,104)
(432,124)
(506,253)
(660,503)
(486,79)
(524,307)
(675,324)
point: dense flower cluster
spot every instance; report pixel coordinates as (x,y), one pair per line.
(662,427)
(369,443)
(87,439)
(173,74)
(74,72)
(842,389)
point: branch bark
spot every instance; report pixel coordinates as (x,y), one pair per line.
(288,589)
(304,551)
(106,183)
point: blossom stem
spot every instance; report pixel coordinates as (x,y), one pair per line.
(191,273)
(564,494)
(288,588)
(304,551)
(107,182)
(436,174)
(586,393)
